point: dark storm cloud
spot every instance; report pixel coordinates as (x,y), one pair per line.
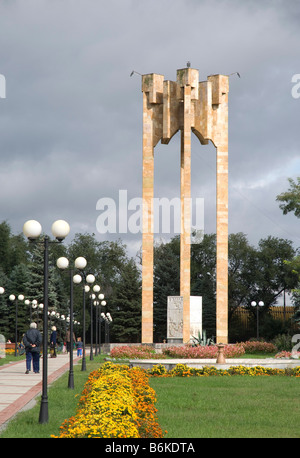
(71,125)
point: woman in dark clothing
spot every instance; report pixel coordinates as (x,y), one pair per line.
(53,338)
(32,340)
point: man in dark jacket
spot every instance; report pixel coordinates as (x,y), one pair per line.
(32,340)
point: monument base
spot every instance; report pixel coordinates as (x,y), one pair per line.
(175,341)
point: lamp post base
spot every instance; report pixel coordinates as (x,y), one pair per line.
(44,417)
(71,380)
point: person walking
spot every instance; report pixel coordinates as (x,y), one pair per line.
(68,339)
(79,346)
(32,340)
(53,338)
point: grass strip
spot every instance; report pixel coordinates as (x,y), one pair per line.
(228,407)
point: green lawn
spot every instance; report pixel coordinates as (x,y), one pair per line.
(254,356)
(228,407)
(11,358)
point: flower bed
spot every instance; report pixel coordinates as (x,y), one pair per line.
(182,370)
(134,352)
(10,351)
(117,402)
(258,347)
(202,352)
(182,351)
(288,355)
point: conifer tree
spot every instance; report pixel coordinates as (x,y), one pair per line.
(17,283)
(125,305)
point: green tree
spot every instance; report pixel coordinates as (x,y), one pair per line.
(290,200)
(16,285)
(87,246)
(5,233)
(13,248)
(4,306)
(242,271)
(294,265)
(125,305)
(274,275)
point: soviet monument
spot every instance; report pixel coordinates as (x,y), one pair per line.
(185,105)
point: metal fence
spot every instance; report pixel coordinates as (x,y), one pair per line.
(280,313)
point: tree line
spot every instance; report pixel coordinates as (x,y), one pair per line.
(259,273)
(22,272)
(255,273)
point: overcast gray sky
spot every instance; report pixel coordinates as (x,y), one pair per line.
(71,122)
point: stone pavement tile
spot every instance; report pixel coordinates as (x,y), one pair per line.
(12,389)
(3,406)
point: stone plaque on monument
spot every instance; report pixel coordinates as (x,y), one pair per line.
(175,319)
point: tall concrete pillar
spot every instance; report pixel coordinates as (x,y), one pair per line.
(220,139)
(152,86)
(185,235)
(202,108)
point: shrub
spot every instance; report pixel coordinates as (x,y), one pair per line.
(258,347)
(283,342)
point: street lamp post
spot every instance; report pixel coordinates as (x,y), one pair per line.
(96,289)
(32,230)
(27,302)
(40,306)
(88,279)
(108,320)
(92,297)
(34,305)
(102,303)
(96,303)
(63,263)
(12,298)
(260,304)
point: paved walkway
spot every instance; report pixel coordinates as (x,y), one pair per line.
(17,389)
